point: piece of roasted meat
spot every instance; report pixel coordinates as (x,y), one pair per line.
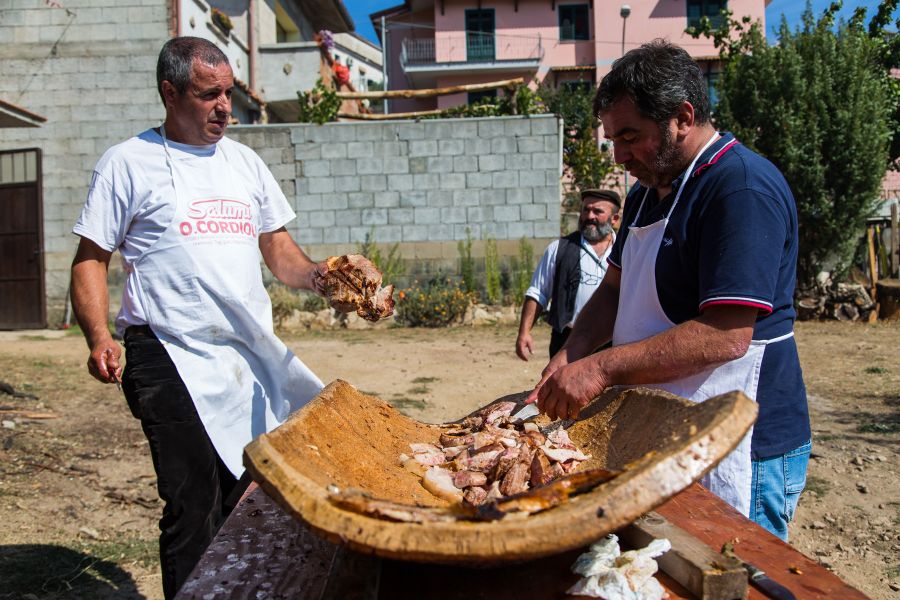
(353,283)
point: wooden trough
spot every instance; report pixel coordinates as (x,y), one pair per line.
(352,440)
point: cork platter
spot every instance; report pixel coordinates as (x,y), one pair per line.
(353,440)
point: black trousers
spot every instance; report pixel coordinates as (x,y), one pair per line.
(557,340)
(197,488)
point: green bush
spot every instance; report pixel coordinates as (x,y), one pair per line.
(438,303)
(466,262)
(522,268)
(390,265)
(319,105)
(492,289)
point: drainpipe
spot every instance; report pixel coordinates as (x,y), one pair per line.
(251,41)
(176,16)
(384,61)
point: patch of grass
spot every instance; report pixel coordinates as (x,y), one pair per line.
(817,485)
(418,390)
(125,550)
(892,572)
(875,370)
(425,379)
(827,437)
(888,427)
(403,404)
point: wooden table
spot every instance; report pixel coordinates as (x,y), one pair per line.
(262,552)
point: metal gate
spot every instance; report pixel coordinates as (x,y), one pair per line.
(22,304)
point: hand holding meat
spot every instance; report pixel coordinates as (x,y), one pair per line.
(564,392)
(353,283)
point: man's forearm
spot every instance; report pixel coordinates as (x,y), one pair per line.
(594,325)
(531,310)
(288,263)
(90,297)
(718,336)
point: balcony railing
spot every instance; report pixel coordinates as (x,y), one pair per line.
(470,47)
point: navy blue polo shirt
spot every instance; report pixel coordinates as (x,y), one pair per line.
(732,239)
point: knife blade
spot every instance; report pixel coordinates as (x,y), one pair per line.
(772,588)
(530,410)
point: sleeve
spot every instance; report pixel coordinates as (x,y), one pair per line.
(106,214)
(541,288)
(275,211)
(742,238)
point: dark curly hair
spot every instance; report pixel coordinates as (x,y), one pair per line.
(658,77)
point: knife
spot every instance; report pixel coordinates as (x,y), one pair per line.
(530,410)
(772,588)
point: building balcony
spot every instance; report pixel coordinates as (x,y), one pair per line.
(283,70)
(425,59)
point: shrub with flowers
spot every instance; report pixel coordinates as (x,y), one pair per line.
(438,303)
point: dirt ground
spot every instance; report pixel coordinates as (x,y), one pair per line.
(77,492)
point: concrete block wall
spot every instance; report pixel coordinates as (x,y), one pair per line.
(91,70)
(423,185)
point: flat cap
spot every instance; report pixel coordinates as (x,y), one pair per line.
(608,195)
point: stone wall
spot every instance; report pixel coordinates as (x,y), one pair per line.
(423,185)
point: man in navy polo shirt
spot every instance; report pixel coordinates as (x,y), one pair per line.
(698,299)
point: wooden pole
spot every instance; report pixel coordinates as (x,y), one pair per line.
(873,270)
(428,93)
(895,241)
(381,117)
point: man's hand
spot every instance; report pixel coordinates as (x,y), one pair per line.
(559,360)
(317,278)
(563,392)
(104,362)
(524,346)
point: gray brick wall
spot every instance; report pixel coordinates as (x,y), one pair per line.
(420,184)
(94,77)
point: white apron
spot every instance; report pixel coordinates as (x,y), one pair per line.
(641,316)
(202,292)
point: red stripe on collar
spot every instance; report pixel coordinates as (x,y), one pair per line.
(715,157)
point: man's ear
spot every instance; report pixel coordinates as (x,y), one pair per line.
(684,118)
(169,92)
(615,218)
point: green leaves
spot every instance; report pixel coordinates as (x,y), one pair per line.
(319,105)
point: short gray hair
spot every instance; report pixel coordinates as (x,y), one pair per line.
(178,55)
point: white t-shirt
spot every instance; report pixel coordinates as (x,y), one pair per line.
(131,199)
(593,269)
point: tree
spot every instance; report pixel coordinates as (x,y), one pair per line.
(819,106)
(586,164)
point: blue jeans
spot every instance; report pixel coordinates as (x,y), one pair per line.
(776,486)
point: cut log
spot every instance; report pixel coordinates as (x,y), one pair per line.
(707,574)
(661,441)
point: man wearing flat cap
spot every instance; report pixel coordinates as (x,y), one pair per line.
(570,270)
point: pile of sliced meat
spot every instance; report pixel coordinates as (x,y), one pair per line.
(489,456)
(353,283)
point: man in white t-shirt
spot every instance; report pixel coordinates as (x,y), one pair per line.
(570,270)
(190,212)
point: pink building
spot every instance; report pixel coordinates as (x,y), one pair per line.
(441,43)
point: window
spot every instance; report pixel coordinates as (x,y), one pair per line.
(480,35)
(697,9)
(476,97)
(574,22)
(712,80)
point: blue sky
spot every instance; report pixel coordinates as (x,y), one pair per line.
(792,9)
